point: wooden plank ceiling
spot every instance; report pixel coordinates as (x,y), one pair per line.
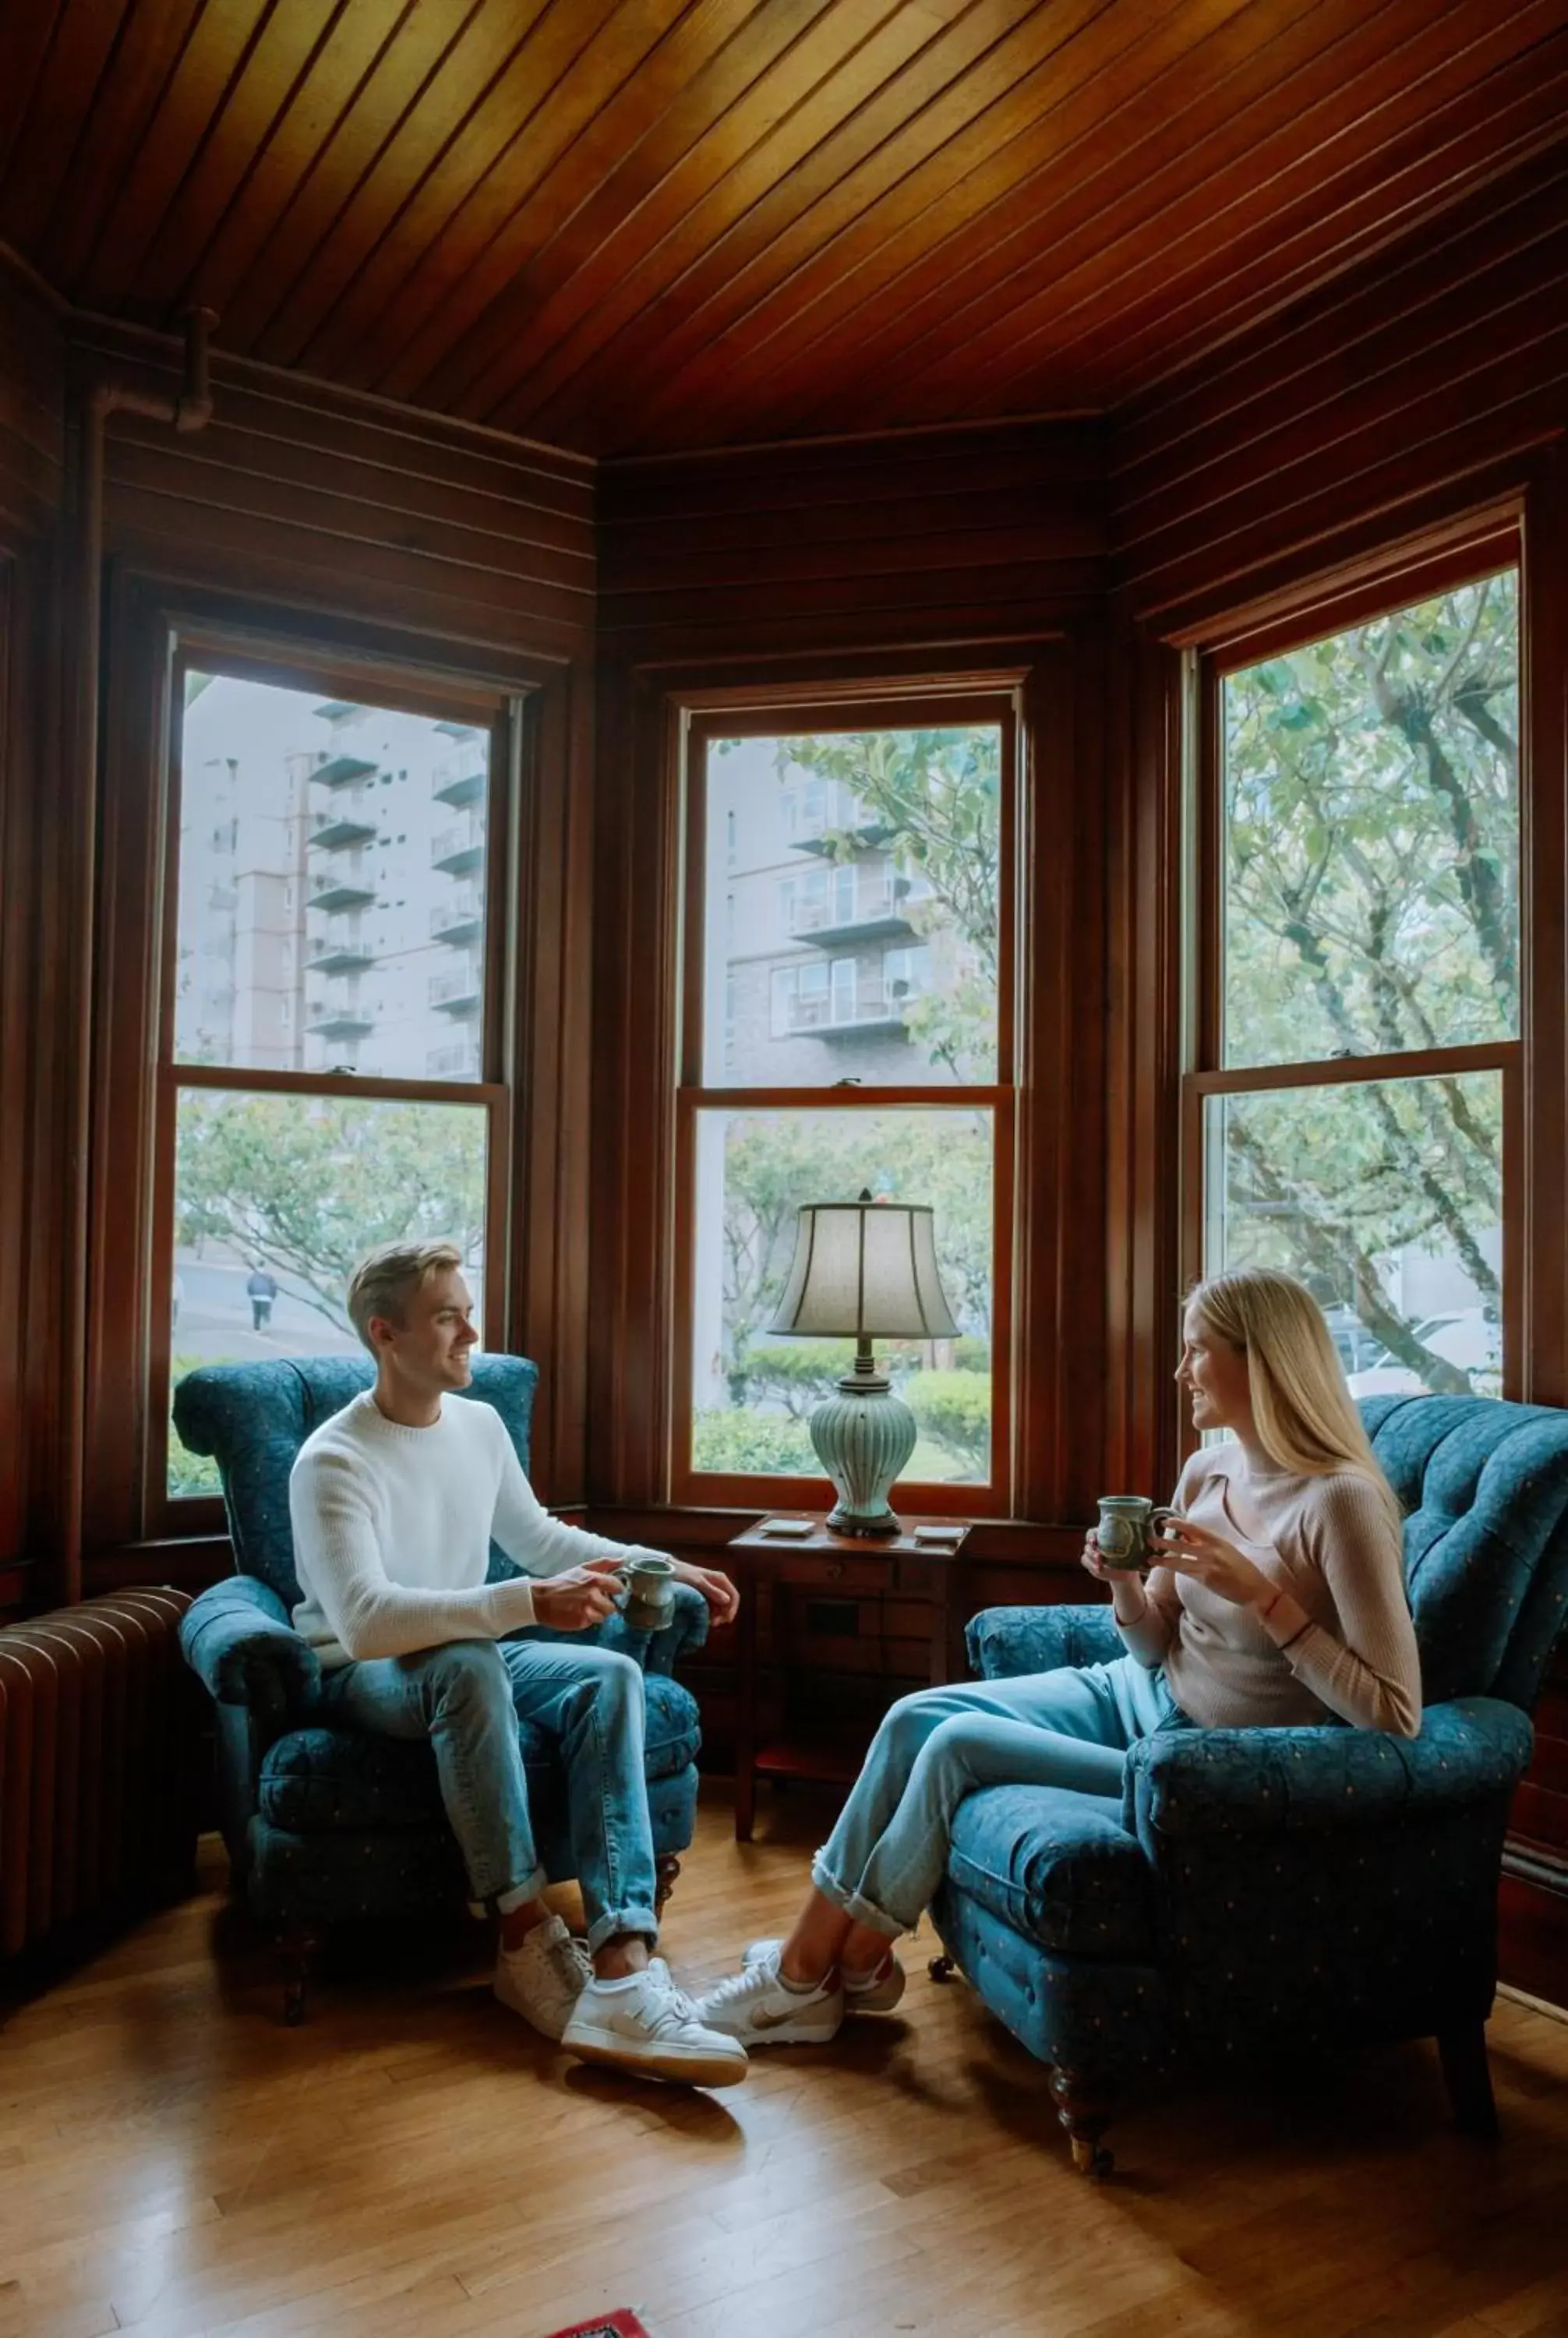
(632,225)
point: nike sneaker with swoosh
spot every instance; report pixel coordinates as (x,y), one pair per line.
(878,1992)
(755,2006)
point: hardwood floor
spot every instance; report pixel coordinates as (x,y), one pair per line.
(414,2161)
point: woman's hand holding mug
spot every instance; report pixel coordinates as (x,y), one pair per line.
(1127,1600)
(1209,1559)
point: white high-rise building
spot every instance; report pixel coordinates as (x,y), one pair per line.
(813,960)
(332,893)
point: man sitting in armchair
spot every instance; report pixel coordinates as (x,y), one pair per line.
(395,1502)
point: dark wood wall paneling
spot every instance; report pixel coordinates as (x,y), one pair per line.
(854,546)
(32,420)
(1408,390)
(317,499)
(32,473)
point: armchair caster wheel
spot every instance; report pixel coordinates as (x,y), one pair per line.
(941,1969)
(1083,2104)
(295,1957)
(1092,2159)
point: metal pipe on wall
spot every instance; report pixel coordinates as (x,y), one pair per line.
(191,410)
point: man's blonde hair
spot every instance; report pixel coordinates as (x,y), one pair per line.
(1304,1413)
(386,1278)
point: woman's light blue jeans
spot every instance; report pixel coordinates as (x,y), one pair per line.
(467,1699)
(885,1858)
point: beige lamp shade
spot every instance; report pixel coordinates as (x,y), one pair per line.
(865,1269)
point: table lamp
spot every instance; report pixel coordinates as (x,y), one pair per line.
(864,1270)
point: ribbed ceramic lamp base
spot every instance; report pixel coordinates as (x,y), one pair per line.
(863,1441)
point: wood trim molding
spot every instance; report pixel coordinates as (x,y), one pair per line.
(543,1263)
(647,716)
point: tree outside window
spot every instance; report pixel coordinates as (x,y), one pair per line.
(1369,882)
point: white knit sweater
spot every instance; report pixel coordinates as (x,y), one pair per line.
(393,1528)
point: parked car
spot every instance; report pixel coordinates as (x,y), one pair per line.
(1357,1346)
(1470,1338)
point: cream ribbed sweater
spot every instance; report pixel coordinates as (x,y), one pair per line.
(1338,1640)
(393,1527)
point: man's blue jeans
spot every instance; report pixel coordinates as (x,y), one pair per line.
(886,1856)
(467,1699)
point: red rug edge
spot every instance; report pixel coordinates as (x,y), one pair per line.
(622,2321)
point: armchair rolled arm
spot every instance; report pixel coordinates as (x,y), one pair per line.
(1004,1642)
(1197,1781)
(685,1631)
(238,1640)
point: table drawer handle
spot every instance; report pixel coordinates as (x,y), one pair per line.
(835,1569)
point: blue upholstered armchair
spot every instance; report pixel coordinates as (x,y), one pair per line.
(1326,1884)
(328,1826)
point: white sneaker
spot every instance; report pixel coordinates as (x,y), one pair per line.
(545,1978)
(755,2006)
(644,2024)
(878,1993)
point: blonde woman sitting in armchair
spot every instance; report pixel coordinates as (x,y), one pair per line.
(1278,1598)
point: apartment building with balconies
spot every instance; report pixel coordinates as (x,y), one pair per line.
(824,938)
(338,921)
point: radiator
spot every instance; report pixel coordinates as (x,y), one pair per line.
(101,1752)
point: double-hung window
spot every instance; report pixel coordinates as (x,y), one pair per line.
(329,1065)
(1353,1115)
(850,1030)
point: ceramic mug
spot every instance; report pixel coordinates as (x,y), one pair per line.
(648,1598)
(1126,1525)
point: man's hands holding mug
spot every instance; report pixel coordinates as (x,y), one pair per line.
(585,1595)
(577,1600)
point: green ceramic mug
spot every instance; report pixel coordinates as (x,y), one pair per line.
(1125,1524)
(647,1599)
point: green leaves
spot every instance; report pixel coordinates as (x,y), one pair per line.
(770,1444)
(1369,791)
(774,1161)
(954,1407)
(309,1184)
(1371,884)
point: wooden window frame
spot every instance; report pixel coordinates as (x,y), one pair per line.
(884,705)
(1316,612)
(523,705)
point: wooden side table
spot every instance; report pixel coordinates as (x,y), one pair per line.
(765,1564)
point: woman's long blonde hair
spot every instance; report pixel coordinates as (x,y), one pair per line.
(1303,1412)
